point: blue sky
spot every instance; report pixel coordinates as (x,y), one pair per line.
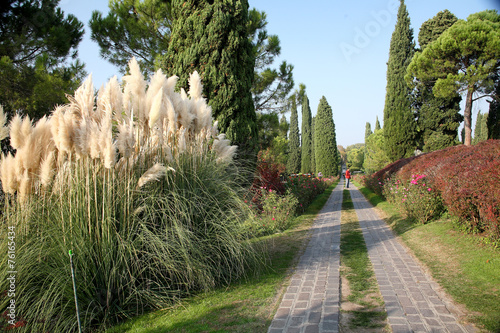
(339,49)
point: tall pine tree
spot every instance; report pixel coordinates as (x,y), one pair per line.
(306,136)
(294,160)
(325,140)
(211,37)
(438,117)
(399,121)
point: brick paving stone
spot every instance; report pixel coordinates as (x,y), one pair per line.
(416,299)
(315,285)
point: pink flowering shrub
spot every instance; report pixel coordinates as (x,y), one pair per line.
(416,197)
(277,212)
(465,179)
(306,188)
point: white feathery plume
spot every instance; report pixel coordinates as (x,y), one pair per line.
(26,129)
(24,187)
(184,96)
(156,83)
(84,97)
(4,131)
(181,141)
(171,115)
(154,173)
(156,108)
(223,150)
(169,85)
(203,115)
(115,97)
(135,88)
(16,137)
(47,169)
(195,86)
(94,142)
(125,140)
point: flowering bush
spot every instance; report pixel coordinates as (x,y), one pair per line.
(277,212)
(306,188)
(466,179)
(415,197)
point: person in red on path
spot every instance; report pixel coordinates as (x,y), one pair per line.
(348,177)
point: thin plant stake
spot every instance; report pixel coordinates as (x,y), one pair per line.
(74,290)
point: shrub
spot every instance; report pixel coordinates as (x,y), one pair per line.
(416,197)
(466,178)
(306,188)
(139,185)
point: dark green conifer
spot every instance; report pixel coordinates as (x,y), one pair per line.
(294,160)
(211,37)
(399,121)
(313,156)
(306,136)
(325,140)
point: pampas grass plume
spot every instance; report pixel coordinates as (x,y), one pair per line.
(155,173)
(4,131)
(156,106)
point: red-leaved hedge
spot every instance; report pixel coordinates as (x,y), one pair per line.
(466,177)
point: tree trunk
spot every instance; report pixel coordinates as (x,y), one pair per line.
(468,117)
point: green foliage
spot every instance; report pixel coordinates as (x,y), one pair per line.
(465,58)
(269,128)
(438,118)
(277,212)
(306,137)
(325,140)
(356,158)
(493,122)
(416,197)
(368,130)
(377,124)
(36,40)
(375,157)
(271,86)
(211,37)
(481,129)
(399,121)
(33,28)
(313,153)
(434,27)
(133,28)
(294,158)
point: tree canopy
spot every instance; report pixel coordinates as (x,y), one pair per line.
(306,136)
(211,38)
(325,140)
(399,121)
(36,40)
(464,59)
(133,28)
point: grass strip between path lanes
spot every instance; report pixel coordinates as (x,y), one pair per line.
(467,269)
(244,306)
(361,302)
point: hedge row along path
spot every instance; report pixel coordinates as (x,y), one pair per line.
(413,301)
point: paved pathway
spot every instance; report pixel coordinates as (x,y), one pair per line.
(311,302)
(412,300)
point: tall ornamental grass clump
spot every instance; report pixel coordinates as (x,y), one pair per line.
(139,184)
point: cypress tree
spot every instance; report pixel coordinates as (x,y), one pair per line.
(313,156)
(493,121)
(306,136)
(399,122)
(377,124)
(368,130)
(325,140)
(211,37)
(294,160)
(478,129)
